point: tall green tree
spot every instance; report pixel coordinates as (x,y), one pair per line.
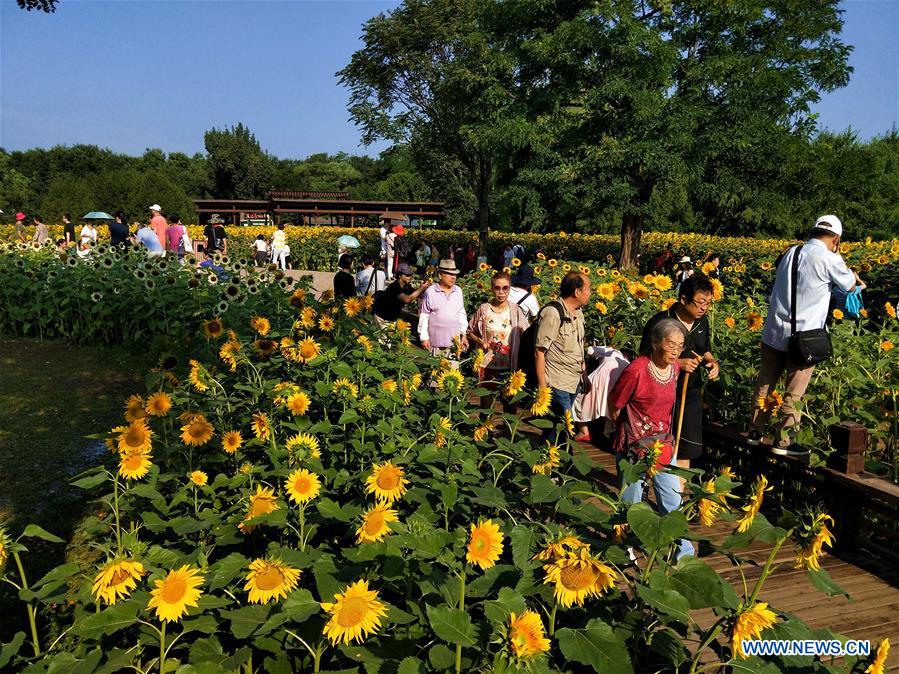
(238,167)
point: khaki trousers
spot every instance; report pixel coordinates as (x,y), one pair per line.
(774,364)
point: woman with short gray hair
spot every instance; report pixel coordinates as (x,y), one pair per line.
(641,404)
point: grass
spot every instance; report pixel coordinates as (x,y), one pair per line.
(51,396)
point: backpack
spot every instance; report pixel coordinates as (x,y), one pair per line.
(402,247)
(527,344)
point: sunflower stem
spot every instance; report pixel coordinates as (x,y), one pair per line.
(303,527)
(32,613)
(552,618)
(118,526)
(162,648)
(461,608)
(767,570)
(317,657)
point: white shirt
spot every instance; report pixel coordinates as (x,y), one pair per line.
(261,245)
(88,234)
(530,306)
(363,277)
(819,271)
(383,234)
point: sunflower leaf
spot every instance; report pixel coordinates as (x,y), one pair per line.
(596,646)
(409,665)
(107,621)
(451,625)
(543,490)
(34,531)
(247,619)
(91,481)
(225,570)
(300,604)
(656,532)
(822,580)
(524,539)
(11,649)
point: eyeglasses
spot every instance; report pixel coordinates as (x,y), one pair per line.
(701,303)
(502,288)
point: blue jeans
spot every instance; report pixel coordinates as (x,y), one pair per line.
(562,401)
(668,498)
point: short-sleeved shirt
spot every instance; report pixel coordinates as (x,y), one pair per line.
(366,285)
(88,234)
(69,228)
(148,238)
(446,315)
(526,300)
(41,233)
(344,284)
(388,306)
(173,235)
(699,339)
(159,226)
(118,233)
(20,229)
(563,338)
(646,405)
(820,270)
(215,235)
(279,240)
(499,331)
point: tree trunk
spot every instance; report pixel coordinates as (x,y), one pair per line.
(485,183)
(631,231)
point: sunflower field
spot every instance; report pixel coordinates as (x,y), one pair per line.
(294,492)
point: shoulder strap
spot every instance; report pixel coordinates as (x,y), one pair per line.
(794,282)
(371,278)
(523,298)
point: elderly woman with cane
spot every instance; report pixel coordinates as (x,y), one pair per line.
(641,404)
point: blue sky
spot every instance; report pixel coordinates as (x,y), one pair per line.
(133,74)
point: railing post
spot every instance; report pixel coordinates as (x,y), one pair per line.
(849,441)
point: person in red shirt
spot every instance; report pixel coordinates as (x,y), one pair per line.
(641,404)
(158,223)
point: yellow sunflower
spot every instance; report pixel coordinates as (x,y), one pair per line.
(730,322)
(158,404)
(135,437)
(270,579)
(229,352)
(354,614)
(134,409)
(303,442)
(526,636)
(450,380)
(559,546)
(749,626)
(601,308)
(260,426)
(365,342)
(886,345)
(485,544)
(552,459)
(542,401)
(389,385)
(261,325)
(752,507)
(326,323)
(344,389)
(662,282)
(231,441)
(198,376)
(578,576)
(133,465)
(482,431)
(444,426)
(197,431)
(813,538)
(261,503)
(374,523)
(386,482)
(4,547)
(298,403)
(569,423)
(116,580)
(213,328)
(880,658)
(754,321)
(307,318)
(302,486)
(352,306)
(199,478)
(175,593)
(308,350)
(515,383)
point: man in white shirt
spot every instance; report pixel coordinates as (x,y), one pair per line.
(521,293)
(820,269)
(368,279)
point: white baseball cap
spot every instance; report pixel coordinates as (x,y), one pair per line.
(155,207)
(830,223)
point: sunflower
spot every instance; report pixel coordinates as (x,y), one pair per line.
(813,537)
(754,321)
(886,345)
(265,347)
(197,375)
(606,291)
(485,544)
(133,465)
(667,303)
(717,290)
(365,343)
(569,423)
(158,404)
(552,460)
(559,546)
(261,503)
(307,318)
(308,350)
(352,306)
(229,352)
(542,401)
(482,431)
(270,579)
(302,486)
(837,314)
(601,308)
(515,383)
(199,478)
(880,658)
(552,262)
(135,437)
(578,576)
(327,296)
(749,625)
(387,482)
(450,380)
(326,323)
(639,291)
(661,282)
(175,593)
(752,507)
(231,441)
(344,389)
(708,509)
(261,428)
(526,636)
(478,361)
(213,328)
(389,385)
(298,403)
(730,322)
(116,580)
(4,547)
(261,325)
(767,266)
(197,431)
(444,426)
(303,442)
(890,309)
(134,409)
(770,403)
(374,523)
(354,614)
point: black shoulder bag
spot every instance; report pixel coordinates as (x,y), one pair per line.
(807,347)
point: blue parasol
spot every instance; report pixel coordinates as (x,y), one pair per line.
(348,241)
(98,215)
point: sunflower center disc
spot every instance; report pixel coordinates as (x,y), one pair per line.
(387,481)
(173,590)
(352,612)
(577,577)
(374,523)
(269,579)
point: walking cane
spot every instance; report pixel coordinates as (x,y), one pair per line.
(683,401)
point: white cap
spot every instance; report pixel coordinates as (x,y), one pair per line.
(830,223)
(155,207)
(685,258)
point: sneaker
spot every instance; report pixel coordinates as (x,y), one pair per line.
(754,437)
(790,450)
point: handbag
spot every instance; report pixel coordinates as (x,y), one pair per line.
(854,303)
(806,347)
(186,244)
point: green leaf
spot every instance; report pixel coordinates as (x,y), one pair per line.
(409,665)
(10,650)
(225,570)
(669,602)
(596,646)
(541,423)
(334,511)
(583,463)
(509,601)
(451,625)
(543,490)
(654,531)
(441,657)
(246,619)
(300,604)
(91,481)
(822,580)
(34,531)
(698,583)
(108,621)
(524,540)
(348,417)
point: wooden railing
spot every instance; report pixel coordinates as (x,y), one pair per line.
(865,507)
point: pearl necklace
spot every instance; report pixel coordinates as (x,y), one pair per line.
(662,376)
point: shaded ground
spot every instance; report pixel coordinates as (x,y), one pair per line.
(51,396)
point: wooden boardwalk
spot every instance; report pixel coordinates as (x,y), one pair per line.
(870,612)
